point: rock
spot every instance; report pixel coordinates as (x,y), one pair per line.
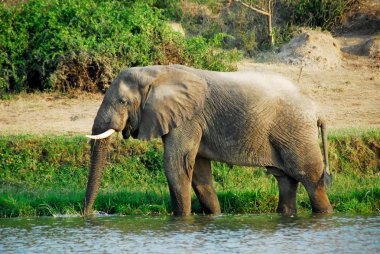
(312,48)
(370,48)
(177,27)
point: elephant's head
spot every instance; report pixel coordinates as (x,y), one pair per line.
(144,103)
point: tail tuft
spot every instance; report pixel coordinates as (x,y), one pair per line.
(327,178)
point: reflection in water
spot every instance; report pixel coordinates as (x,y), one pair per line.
(195,234)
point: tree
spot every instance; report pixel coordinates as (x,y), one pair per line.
(266,12)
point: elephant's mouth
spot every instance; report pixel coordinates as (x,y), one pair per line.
(127,132)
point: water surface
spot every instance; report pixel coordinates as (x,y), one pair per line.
(195,234)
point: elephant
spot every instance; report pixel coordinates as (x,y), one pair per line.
(240,118)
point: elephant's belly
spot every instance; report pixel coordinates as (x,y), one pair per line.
(240,154)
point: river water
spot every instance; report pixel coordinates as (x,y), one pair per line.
(195,234)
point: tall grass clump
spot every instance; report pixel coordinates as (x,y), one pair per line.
(69,44)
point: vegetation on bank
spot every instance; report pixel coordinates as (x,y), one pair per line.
(249,28)
(70,44)
(47,176)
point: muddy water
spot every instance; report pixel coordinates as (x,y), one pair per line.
(196,234)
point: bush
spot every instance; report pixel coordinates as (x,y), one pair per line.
(316,13)
(246,27)
(249,28)
(69,44)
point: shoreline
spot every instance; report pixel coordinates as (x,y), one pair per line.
(47,175)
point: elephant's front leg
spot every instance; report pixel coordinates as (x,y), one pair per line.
(180,150)
(203,186)
(179,180)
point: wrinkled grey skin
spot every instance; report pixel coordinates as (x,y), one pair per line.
(250,119)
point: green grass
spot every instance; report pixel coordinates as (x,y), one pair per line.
(47,176)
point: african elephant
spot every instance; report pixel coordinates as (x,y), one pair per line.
(241,118)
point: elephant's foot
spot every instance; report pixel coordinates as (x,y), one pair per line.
(319,201)
(286,209)
(181,204)
(207,197)
(287,198)
(181,213)
(180,199)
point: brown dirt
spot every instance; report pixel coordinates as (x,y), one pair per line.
(48,113)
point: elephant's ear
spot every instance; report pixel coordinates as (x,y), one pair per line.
(171,99)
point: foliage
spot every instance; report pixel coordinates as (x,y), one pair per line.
(207,17)
(319,13)
(355,153)
(61,45)
(65,45)
(170,8)
(48,175)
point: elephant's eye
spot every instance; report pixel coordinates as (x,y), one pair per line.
(124,102)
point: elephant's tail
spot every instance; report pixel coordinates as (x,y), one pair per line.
(327,176)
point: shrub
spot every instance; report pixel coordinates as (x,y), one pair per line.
(69,44)
(207,17)
(246,28)
(318,13)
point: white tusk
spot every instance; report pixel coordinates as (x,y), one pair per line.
(105,134)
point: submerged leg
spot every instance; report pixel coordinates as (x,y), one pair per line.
(287,191)
(314,185)
(180,149)
(203,186)
(302,161)
(179,181)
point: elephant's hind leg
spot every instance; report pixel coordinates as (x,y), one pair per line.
(319,201)
(314,185)
(317,193)
(203,186)
(287,191)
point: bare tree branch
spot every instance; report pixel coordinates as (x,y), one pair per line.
(254,8)
(267,13)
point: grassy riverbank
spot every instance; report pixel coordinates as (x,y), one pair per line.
(47,176)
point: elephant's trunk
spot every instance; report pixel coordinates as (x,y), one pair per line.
(98,159)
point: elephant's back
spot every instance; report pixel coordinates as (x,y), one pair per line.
(268,84)
(253,83)
(265,92)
